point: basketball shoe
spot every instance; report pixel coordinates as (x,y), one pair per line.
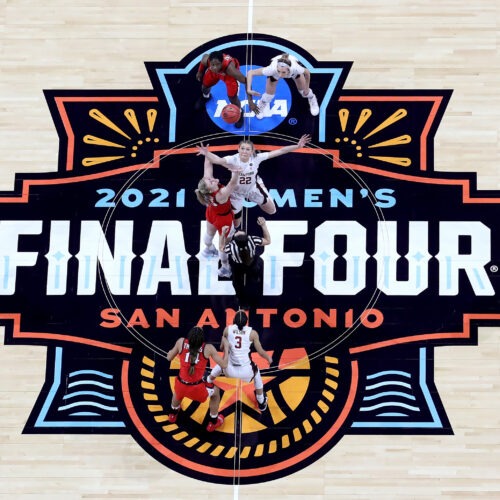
(263,108)
(210,252)
(263,405)
(313,106)
(212,426)
(225,272)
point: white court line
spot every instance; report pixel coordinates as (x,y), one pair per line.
(250,17)
(236,479)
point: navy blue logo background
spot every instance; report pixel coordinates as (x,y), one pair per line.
(102,265)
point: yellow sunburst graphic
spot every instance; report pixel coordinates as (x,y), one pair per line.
(363,139)
(121,141)
(292,389)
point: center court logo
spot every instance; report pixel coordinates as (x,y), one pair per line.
(375,261)
(277,113)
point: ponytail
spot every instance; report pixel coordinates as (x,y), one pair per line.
(195,339)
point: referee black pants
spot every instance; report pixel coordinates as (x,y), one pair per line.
(247,282)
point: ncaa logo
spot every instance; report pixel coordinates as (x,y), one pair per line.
(252,125)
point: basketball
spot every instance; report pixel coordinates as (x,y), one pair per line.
(231,113)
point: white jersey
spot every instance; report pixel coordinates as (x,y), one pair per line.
(248,176)
(295,69)
(239,345)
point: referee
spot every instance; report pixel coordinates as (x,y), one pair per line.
(246,265)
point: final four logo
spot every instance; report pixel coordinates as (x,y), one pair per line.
(376,259)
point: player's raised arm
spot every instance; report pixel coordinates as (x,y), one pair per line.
(288,149)
(225,192)
(213,158)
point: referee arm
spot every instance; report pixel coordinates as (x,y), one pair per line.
(266,237)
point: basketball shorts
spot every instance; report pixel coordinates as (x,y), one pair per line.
(210,79)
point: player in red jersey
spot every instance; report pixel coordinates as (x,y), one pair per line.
(219,212)
(194,355)
(219,66)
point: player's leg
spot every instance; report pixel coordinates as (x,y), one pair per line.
(175,406)
(237,204)
(306,91)
(225,268)
(259,391)
(261,196)
(216,371)
(216,419)
(208,238)
(264,104)
(269,207)
(208,81)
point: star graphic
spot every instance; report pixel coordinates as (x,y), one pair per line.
(237,390)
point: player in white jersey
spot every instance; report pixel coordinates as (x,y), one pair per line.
(240,365)
(282,66)
(250,186)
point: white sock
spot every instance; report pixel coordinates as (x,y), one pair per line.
(224,259)
(207,239)
(266,97)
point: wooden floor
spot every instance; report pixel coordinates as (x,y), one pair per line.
(419,44)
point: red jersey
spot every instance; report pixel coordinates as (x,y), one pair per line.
(226,61)
(210,78)
(219,214)
(217,208)
(185,359)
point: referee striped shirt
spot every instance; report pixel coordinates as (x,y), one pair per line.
(234,252)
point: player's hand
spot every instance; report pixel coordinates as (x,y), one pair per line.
(225,231)
(261,221)
(304,140)
(253,107)
(199,75)
(202,149)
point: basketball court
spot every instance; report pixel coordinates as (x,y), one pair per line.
(430,68)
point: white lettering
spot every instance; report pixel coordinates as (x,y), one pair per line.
(464,253)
